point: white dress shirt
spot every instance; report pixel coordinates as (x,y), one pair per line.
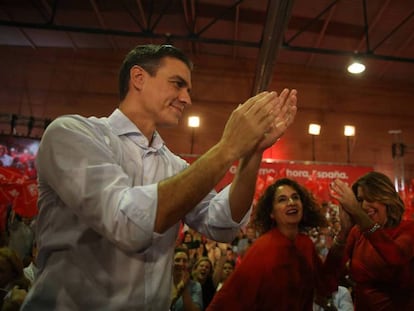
(97,205)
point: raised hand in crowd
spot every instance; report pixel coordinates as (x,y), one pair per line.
(351,212)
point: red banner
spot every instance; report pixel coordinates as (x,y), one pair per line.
(18,190)
(25,204)
(314,176)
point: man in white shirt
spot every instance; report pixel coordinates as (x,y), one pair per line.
(5,158)
(111,194)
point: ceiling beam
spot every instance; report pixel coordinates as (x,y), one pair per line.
(52,17)
(236,29)
(142,14)
(375,21)
(102,23)
(322,33)
(219,17)
(312,22)
(193,39)
(406,44)
(278,15)
(22,31)
(134,34)
(389,58)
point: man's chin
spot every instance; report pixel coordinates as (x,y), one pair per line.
(168,125)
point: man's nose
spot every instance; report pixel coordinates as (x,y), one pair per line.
(185,97)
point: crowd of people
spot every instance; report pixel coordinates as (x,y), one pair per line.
(356,253)
(125,224)
(19,157)
(200,265)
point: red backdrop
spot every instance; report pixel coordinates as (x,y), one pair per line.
(316,177)
(19,189)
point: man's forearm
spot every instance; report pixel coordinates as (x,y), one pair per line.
(244,185)
(179,194)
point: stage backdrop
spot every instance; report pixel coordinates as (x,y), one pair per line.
(18,188)
(315,176)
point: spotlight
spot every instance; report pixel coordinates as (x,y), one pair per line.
(193,122)
(314,130)
(356,67)
(349,131)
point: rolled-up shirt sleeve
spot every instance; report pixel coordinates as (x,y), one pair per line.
(212,217)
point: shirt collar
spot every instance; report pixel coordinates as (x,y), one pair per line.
(122,125)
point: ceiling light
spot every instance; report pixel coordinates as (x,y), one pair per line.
(349,130)
(314,129)
(194,121)
(356,67)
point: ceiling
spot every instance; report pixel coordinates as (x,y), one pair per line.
(313,33)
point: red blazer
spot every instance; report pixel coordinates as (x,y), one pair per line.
(275,274)
(382,266)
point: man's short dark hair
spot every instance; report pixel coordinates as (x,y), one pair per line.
(148,57)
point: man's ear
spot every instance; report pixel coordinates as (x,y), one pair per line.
(137,76)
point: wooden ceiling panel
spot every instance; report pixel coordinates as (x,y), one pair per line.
(223,27)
